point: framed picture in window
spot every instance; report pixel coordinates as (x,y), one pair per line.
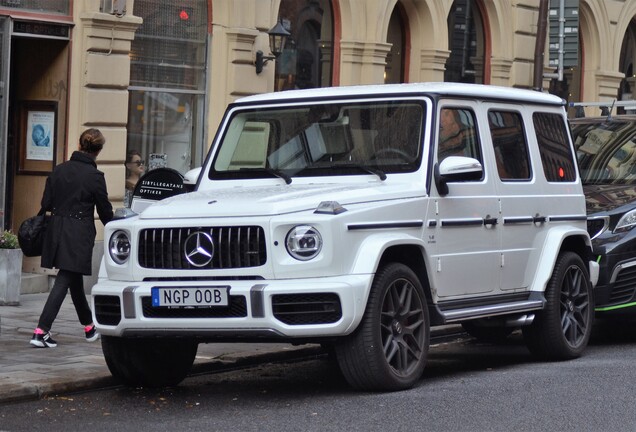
(37,137)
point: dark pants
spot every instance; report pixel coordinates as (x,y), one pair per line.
(66,279)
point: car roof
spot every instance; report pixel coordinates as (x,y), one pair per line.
(477,91)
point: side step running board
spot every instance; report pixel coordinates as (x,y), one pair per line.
(463,314)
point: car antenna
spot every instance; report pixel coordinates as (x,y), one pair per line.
(607,111)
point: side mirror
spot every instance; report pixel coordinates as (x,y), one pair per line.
(456,169)
(123,213)
(190,178)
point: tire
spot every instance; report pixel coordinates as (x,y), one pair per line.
(490,334)
(149,362)
(388,350)
(562,330)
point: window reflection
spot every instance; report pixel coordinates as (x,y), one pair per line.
(349,138)
(41,6)
(306,61)
(466,43)
(167,83)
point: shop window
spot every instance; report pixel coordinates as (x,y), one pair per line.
(57,7)
(167,83)
(306,61)
(466,43)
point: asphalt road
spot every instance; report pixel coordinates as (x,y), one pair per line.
(468,386)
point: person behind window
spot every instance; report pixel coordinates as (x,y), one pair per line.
(134,170)
(72,192)
(450,134)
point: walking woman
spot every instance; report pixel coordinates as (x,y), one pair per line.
(72,193)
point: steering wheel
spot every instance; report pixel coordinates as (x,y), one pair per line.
(393,153)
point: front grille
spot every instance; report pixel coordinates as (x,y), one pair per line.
(107,310)
(303,309)
(624,287)
(236,309)
(597,225)
(234,247)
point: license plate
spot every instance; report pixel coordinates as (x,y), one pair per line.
(190,296)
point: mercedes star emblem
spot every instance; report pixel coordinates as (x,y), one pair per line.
(199,249)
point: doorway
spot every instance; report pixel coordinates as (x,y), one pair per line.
(34,76)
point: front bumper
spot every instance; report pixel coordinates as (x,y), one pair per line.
(258,309)
(616,289)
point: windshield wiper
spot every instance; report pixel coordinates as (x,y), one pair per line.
(371,170)
(270,171)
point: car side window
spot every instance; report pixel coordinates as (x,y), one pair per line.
(554,146)
(458,134)
(510,145)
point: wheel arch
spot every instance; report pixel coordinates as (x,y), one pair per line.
(403,249)
(412,256)
(558,240)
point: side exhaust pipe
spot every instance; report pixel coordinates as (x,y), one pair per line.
(520,321)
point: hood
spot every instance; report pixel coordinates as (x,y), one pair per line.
(607,198)
(273,200)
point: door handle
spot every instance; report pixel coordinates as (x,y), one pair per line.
(490,221)
(539,219)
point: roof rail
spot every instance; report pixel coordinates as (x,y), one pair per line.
(606,107)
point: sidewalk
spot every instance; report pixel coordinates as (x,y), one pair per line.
(27,372)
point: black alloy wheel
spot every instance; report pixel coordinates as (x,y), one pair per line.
(562,330)
(388,351)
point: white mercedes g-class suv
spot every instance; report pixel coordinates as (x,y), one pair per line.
(358,218)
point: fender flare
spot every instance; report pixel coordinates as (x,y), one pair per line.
(552,246)
(372,250)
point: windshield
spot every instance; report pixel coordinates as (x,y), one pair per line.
(606,151)
(335,138)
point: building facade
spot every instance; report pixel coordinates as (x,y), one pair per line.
(156,76)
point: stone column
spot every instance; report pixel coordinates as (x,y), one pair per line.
(432,65)
(363,62)
(100,78)
(500,71)
(607,84)
(100,81)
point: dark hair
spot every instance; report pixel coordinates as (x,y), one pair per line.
(131,154)
(92,141)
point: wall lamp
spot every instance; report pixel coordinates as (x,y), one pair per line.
(277,38)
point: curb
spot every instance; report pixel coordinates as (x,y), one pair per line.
(93,380)
(27,392)
(10,393)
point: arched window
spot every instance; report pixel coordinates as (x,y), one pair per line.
(394,69)
(466,43)
(307,59)
(167,83)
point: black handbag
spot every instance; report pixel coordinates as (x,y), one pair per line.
(31,234)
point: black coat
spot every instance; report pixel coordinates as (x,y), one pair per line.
(73,191)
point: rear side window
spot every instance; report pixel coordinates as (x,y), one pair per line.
(509,142)
(556,155)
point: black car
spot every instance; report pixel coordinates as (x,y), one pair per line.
(606,153)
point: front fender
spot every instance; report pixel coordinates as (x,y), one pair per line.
(373,247)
